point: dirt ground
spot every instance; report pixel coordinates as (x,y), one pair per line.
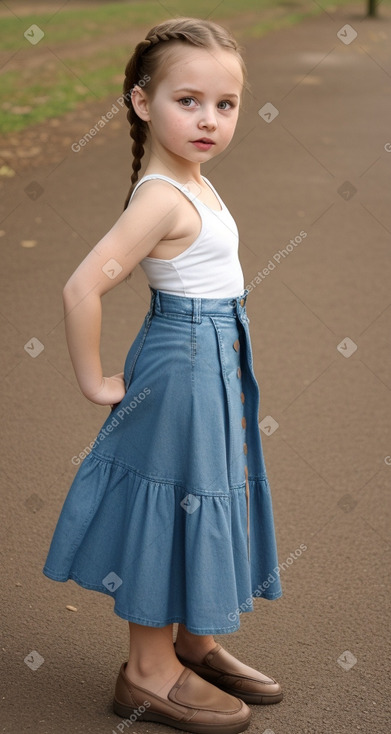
(309,188)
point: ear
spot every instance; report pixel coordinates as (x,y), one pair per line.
(140,103)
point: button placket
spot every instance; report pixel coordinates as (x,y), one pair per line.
(248,510)
(236,346)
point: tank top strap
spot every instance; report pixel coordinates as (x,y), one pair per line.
(217,195)
(190,190)
(184,188)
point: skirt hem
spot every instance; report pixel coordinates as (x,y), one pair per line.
(153,623)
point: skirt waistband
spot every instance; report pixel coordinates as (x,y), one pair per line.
(194,308)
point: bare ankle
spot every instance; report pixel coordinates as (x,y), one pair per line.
(152,661)
(142,667)
(158,680)
(193,647)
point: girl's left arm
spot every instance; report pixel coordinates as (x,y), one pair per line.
(150,218)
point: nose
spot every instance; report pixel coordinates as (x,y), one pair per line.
(208,118)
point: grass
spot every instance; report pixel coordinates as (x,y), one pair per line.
(95,69)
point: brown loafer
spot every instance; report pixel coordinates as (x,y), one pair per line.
(225,672)
(193,705)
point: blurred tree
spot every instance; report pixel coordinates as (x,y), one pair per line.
(372,8)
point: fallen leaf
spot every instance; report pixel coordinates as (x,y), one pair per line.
(28,152)
(7,171)
(28,243)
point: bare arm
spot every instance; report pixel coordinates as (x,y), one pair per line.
(149,218)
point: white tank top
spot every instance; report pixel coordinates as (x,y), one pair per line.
(209,267)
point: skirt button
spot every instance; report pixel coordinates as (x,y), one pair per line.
(242,397)
(242,302)
(236,345)
(243,422)
(239,372)
(245,448)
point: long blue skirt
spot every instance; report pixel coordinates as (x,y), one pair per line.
(171,513)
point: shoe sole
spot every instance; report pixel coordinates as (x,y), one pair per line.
(253,698)
(126,711)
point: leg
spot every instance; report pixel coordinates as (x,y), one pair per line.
(152,661)
(193,647)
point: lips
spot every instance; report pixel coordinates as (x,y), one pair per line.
(203,143)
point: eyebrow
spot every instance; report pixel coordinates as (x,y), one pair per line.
(197,91)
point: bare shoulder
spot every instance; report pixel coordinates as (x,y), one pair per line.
(152,214)
(157,194)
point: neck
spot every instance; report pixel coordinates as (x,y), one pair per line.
(173,166)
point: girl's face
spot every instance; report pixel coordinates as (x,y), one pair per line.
(193,112)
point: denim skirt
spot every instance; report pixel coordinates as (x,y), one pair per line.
(171,513)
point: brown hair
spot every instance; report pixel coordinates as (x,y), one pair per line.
(142,69)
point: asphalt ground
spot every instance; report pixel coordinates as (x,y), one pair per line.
(320,324)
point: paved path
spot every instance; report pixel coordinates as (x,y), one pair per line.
(320,313)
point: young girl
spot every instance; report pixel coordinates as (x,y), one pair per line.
(171,513)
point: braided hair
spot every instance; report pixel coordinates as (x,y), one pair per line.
(147,58)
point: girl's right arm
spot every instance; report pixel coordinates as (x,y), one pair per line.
(149,218)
